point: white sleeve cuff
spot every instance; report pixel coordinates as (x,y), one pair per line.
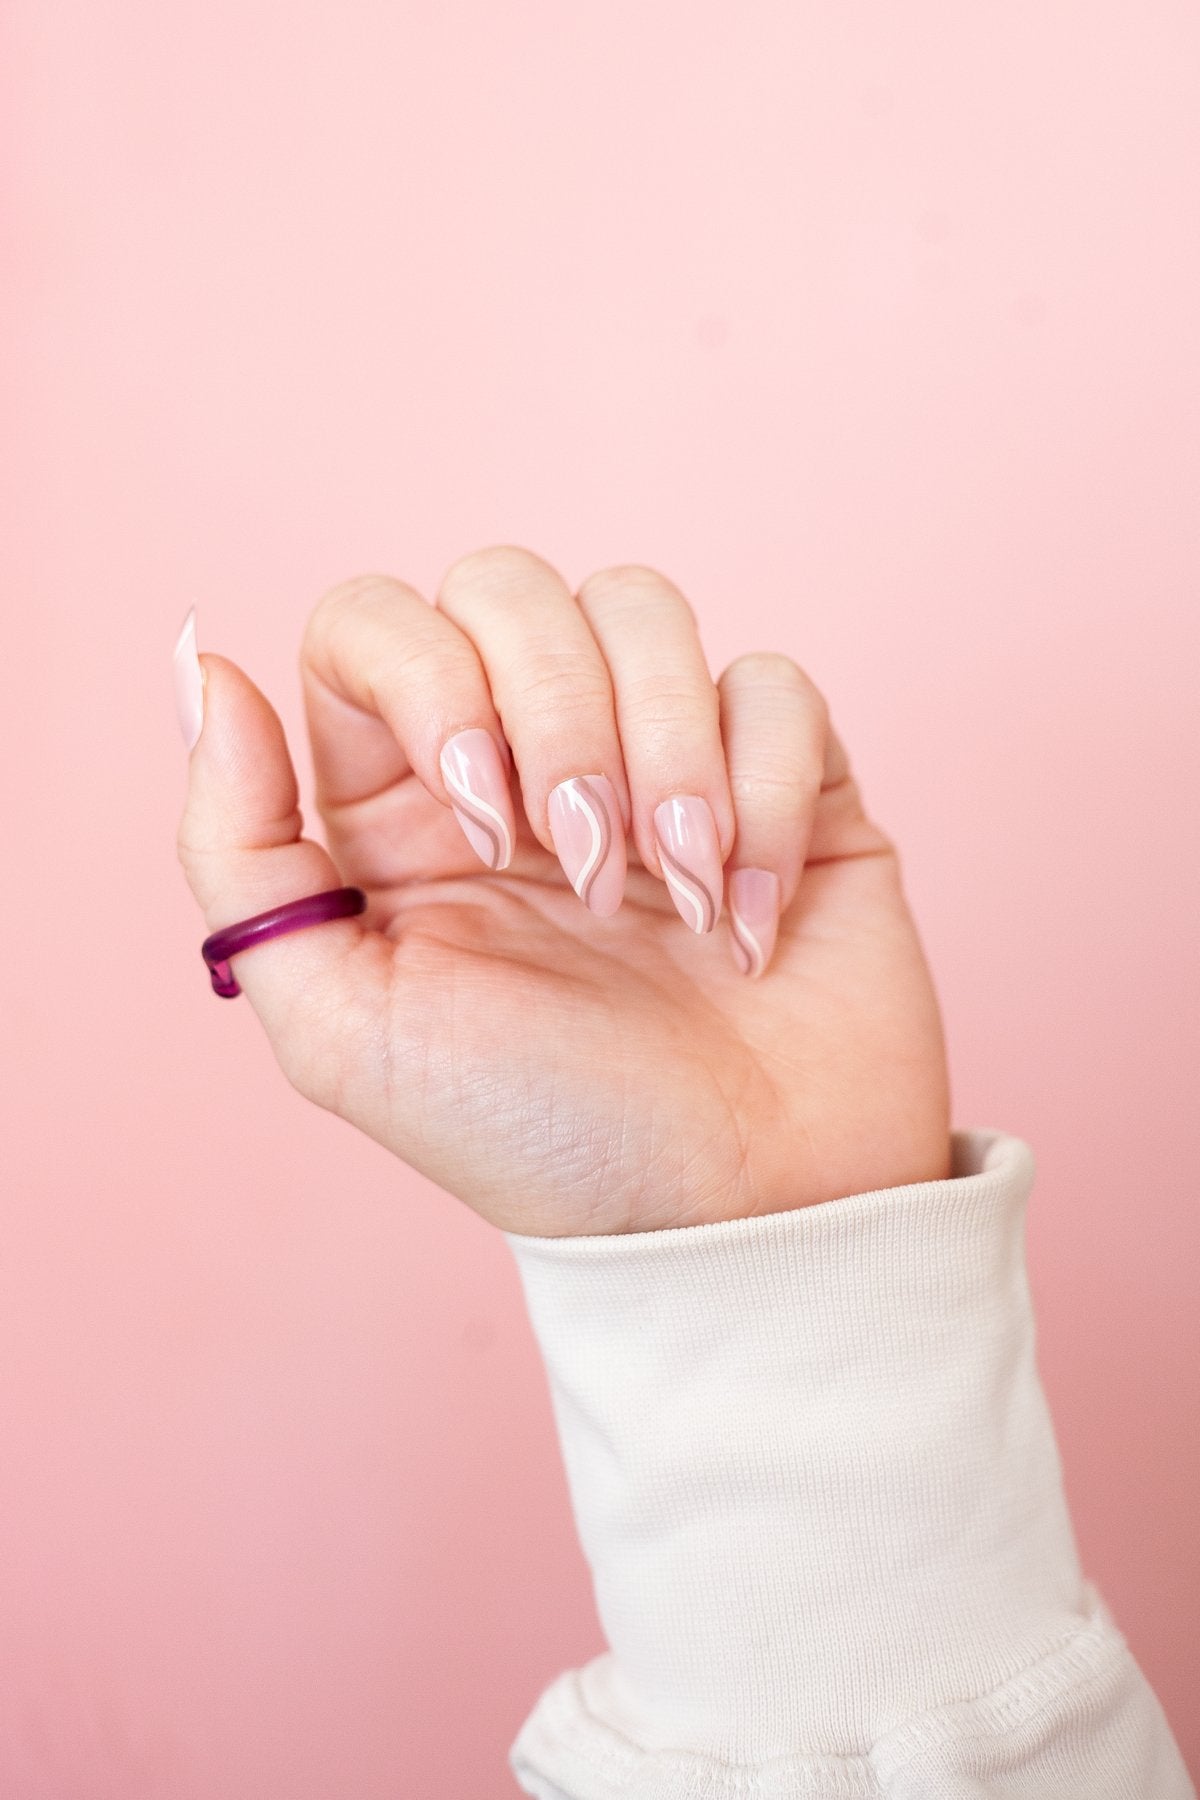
(815,1479)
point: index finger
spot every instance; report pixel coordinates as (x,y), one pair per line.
(394,688)
(377,664)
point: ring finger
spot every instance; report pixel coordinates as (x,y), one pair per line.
(668,713)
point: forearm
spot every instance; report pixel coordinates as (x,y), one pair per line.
(817,1484)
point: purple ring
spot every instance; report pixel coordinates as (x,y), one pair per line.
(313,909)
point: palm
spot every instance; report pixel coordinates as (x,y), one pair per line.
(564,1074)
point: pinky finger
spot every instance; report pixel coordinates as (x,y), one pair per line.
(775,729)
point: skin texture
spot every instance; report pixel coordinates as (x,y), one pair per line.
(559,1072)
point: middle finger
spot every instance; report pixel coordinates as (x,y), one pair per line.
(668,709)
(552,691)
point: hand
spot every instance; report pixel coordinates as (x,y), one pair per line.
(567,1067)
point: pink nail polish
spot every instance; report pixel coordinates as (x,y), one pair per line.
(690,853)
(753,917)
(589,836)
(189,683)
(474,776)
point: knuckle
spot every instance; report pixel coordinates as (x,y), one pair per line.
(664,695)
(774,669)
(503,569)
(778,791)
(348,597)
(358,638)
(632,585)
(669,707)
(421,662)
(565,681)
(336,611)
(200,863)
(186,853)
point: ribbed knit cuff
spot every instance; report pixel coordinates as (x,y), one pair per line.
(811,1464)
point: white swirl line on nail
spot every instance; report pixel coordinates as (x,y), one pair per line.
(465,793)
(755,960)
(678,888)
(597,848)
(676,875)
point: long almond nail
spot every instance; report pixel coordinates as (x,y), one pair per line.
(474,776)
(753,917)
(690,853)
(589,836)
(189,683)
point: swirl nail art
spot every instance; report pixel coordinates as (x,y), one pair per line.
(589,837)
(753,918)
(474,775)
(690,857)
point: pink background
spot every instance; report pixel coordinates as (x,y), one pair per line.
(874,327)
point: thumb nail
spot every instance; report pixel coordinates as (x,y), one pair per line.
(189,683)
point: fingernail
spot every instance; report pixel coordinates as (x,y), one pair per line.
(753,917)
(589,836)
(474,775)
(690,853)
(189,683)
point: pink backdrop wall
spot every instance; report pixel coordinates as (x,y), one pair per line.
(874,327)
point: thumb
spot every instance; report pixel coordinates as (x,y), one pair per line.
(241,848)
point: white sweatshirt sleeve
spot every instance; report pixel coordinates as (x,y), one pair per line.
(816,1483)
